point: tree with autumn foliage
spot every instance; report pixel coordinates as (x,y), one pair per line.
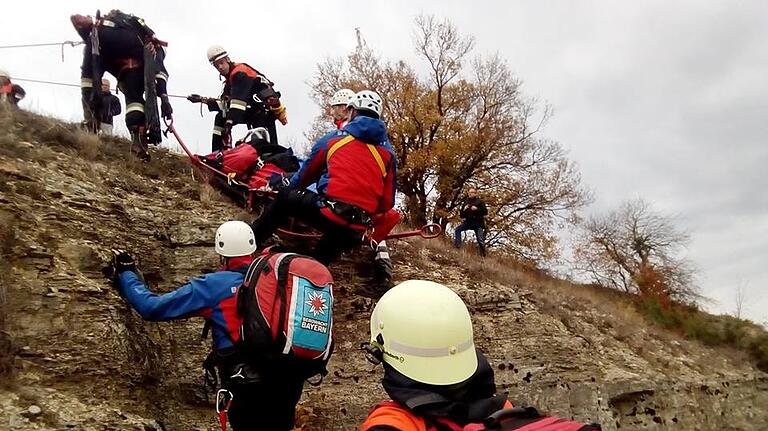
(465,127)
(638,251)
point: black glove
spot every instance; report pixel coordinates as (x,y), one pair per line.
(165,106)
(279,183)
(195,98)
(227,132)
(122,261)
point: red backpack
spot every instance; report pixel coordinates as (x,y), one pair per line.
(508,419)
(527,419)
(286,306)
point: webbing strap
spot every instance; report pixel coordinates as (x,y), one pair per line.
(378,159)
(338,144)
(349,138)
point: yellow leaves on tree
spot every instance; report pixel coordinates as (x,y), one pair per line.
(465,125)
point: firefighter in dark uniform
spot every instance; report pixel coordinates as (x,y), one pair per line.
(248,98)
(116,43)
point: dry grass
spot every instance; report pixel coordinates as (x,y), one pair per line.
(209,195)
(7,241)
(628,312)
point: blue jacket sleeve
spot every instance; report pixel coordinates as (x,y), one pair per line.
(315,165)
(189,299)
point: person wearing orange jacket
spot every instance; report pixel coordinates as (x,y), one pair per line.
(421,332)
(248,98)
(10,93)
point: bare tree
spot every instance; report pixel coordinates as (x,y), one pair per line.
(738,299)
(638,251)
(463,126)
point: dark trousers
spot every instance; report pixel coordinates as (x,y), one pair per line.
(252,118)
(131,82)
(266,405)
(303,205)
(116,44)
(479,235)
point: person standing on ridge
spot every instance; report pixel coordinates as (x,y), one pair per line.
(248,98)
(119,43)
(473,213)
(108,108)
(10,93)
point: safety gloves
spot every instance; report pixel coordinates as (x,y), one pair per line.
(165,106)
(121,261)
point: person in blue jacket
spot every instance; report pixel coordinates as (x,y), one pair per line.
(263,395)
(360,167)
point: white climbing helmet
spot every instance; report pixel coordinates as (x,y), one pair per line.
(216,52)
(366,100)
(235,238)
(4,74)
(424,331)
(342,97)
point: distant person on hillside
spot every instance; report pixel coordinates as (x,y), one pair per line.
(108,108)
(10,93)
(473,214)
(421,332)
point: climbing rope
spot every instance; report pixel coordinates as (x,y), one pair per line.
(65,84)
(35,45)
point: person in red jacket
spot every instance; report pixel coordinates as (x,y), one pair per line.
(10,93)
(339,107)
(361,169)
(248,98)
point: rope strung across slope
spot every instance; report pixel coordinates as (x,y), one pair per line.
(64,84)
(35,45)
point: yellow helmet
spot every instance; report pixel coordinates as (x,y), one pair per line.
(424,331)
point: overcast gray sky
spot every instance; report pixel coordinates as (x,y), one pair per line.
(664,100)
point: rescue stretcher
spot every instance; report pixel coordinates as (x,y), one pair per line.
(255,194)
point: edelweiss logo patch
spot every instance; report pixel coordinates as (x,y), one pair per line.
(317,304)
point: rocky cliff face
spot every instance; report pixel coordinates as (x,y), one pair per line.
(84,360)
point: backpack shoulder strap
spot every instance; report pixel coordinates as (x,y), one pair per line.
(281,272)
(338,144)
(379,160)
(372,148)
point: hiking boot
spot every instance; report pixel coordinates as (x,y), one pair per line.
(139,144)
